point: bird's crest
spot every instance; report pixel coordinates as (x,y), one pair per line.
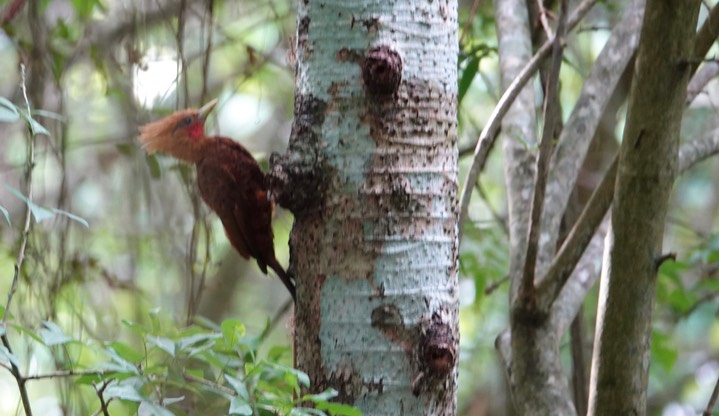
(180,134)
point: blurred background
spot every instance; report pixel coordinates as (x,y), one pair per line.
(92,71)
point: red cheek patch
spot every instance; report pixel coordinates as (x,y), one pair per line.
(196,130)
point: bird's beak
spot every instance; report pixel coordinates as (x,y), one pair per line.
(206,109)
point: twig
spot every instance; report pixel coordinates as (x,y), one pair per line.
(578,239)
(702,300)
(15,370)
(103,403)
(28,213)
(491,129)
(489,289)
(21,251)
(208,383)
(542,12)
(712,400)
(66,373)
(551,114)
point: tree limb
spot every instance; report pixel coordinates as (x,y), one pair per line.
(582,124)
(525,296)
(491,130)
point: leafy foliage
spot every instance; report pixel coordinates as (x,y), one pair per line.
(176,371)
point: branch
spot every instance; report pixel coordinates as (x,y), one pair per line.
(578,239)
(28,213)
(66,373)
(491,130)
(581,127)
(518,130)
(693,152)
(708,72)
(551,115)
(708,33)
(690,154)
(712,400)
(15,370)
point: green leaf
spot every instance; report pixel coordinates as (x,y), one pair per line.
(39,213)
(118,363)
(5,214)
(125,149)
(89,379)
(123,392)
(193,340)
(52,334)
(172,400)
(71,216)
(239,406)
(49,114)
(154,165)
(8,111)
(28,332)
(232,330)
(470,71)
(239,386)
(35,126)
(83,7)
(321,397)
(151,409)
(663,353)
(163,343)
(339,409)
(126,352)
(134,326)
(5,354)
(155,320)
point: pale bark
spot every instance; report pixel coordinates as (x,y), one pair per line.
(582,125)
(371,176)
(647,169)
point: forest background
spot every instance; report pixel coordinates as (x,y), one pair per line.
(119,251)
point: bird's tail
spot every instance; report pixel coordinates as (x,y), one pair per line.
(274,265)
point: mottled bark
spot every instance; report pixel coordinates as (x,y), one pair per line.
(371,176)
(582,125)
(647,169)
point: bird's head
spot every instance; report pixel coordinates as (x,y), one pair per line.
(181,134)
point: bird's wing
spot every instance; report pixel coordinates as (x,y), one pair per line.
(224,191)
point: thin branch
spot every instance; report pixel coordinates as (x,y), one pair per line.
(581,234)
(23,245)
(208,383)
(491,129)
(490,288)
(28,194)
(578,239)
(708,297)
(542,12)
(712,400)
(551,115)
(66,373)
(699,81)
(708,33)
(103,403)
(693,152)
(15,370)
(601,94)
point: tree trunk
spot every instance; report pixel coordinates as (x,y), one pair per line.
(371,176)
(647,169)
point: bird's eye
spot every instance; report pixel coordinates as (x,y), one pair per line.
(186,121)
